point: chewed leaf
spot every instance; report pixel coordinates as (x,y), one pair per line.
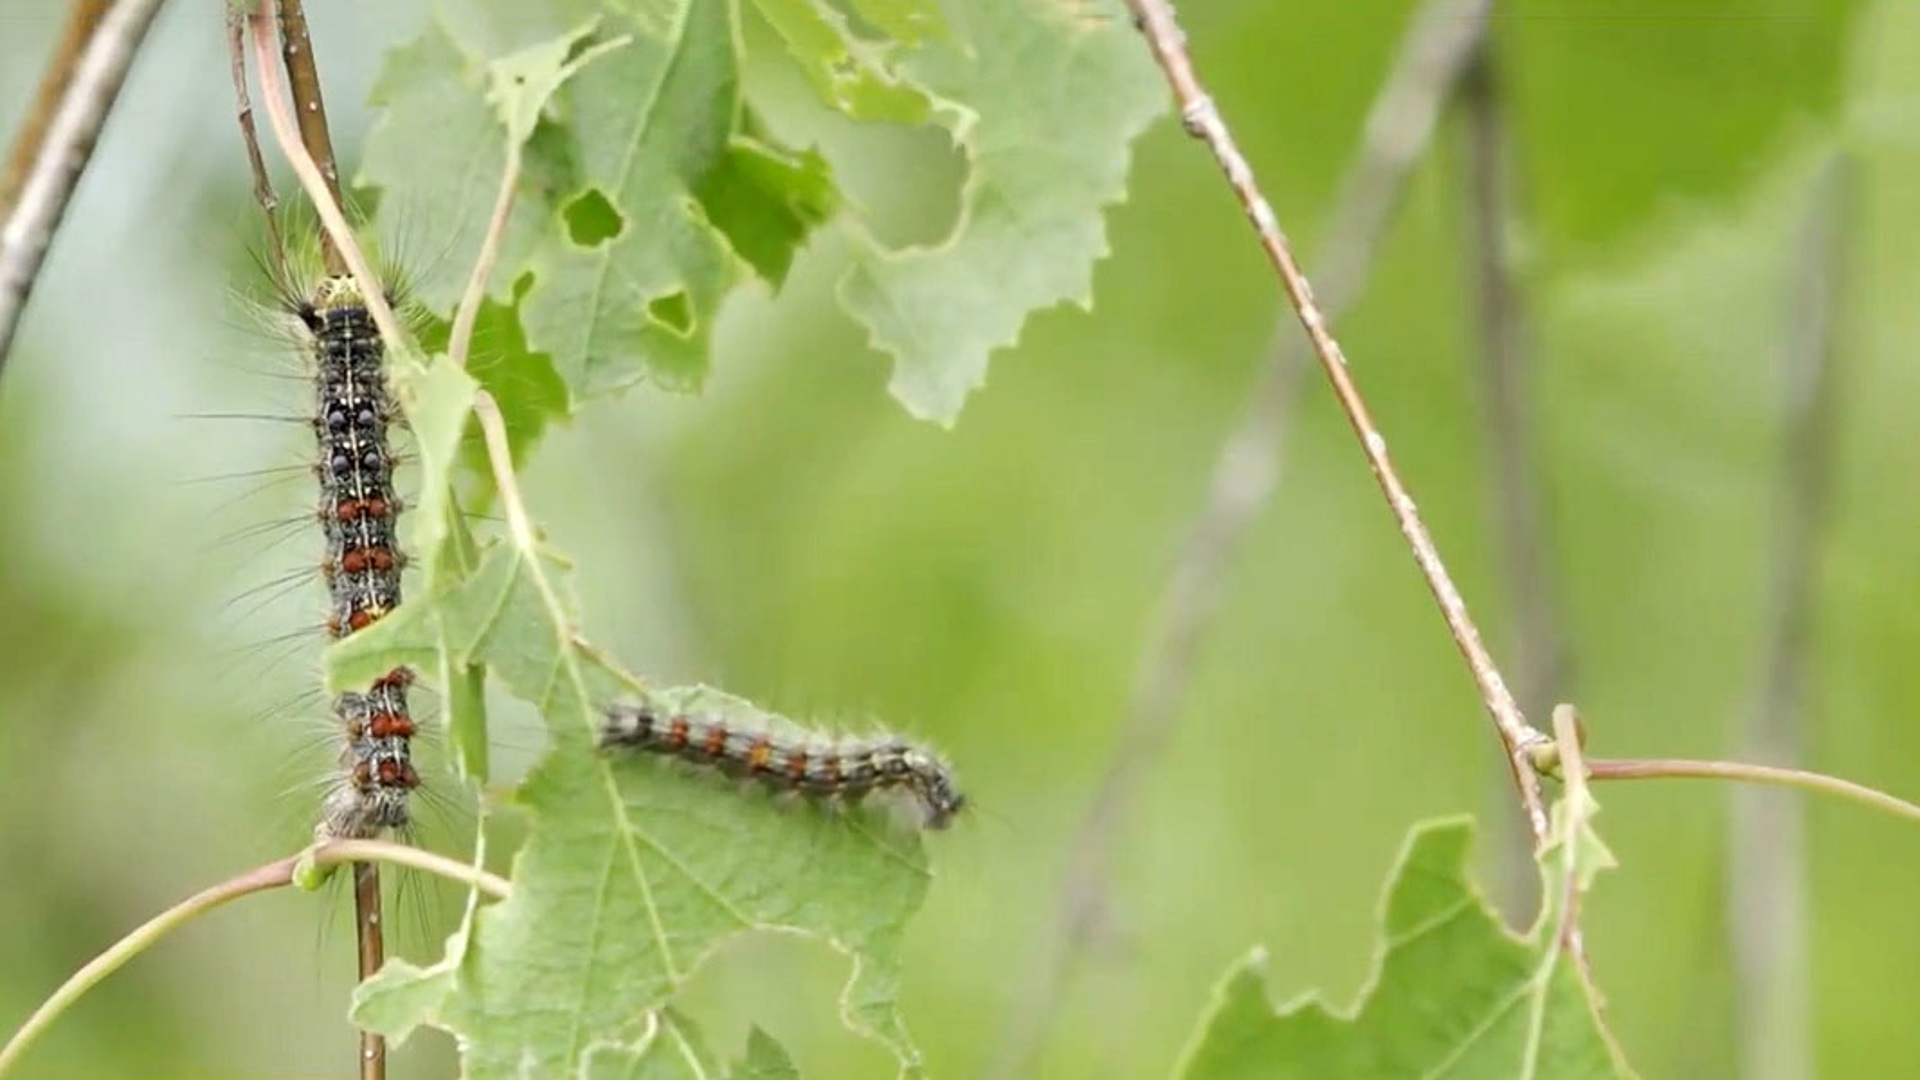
(1052,101)
(519,86)
(1455,994)
(633,872)
(854,76)
(435,152)
(766,199)
(671,1049)
(631,288)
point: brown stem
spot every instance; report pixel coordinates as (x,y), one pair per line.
(1202,120)
(369,929)
(62,155)
(1400,123)
(303,79)
(263,192)
(281,122)
(83,19)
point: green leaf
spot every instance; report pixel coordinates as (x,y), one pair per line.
(437,398)
(643,189)
(671,1049)
(766,199)
(633,872)
(644,128)
(1455,993)
(436,154)
(519,86)
(766,1060)
(1052,101)
(530,393)
(851,75)
(905,21)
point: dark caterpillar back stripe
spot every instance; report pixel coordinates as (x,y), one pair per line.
(848,769)
(358,512)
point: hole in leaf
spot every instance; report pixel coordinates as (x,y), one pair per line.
(672,311)
(592,220)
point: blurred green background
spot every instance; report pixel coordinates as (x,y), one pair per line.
(793,536)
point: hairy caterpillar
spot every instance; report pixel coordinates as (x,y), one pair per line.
(358,512)
(845,769)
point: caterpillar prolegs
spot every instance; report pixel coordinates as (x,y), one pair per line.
(845,769)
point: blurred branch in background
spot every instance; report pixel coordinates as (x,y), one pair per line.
(83,19)
(1441,38)
(1536,642)
(1766,873)
(63,149)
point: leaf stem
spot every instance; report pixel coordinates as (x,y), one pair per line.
(260,879)
(1779,776)
(1202,120)
(460,340)
(280,121)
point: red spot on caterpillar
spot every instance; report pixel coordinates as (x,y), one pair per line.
(796,764)
(361,618)
(716,743)
(389,726)
(677,733)
(397,773)
(360,560)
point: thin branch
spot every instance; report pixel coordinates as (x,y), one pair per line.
(303,77)
(336,852)
(1778,776)
(263,192)
(1538,645)
(332,220)
(83,20)
(1440,37)
(271,876)
(1202,120)
(369,930)
(63,156)
(1766,854)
